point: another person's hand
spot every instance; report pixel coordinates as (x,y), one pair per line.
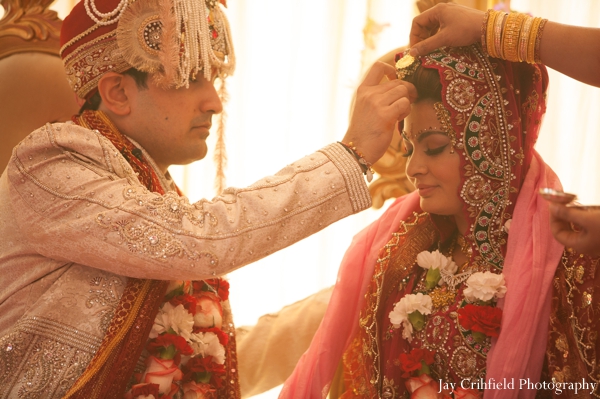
(586,238)
(377,109)
(458,26)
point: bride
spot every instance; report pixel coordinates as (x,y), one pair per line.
(451,290)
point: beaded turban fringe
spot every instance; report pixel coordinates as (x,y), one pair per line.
(174,40)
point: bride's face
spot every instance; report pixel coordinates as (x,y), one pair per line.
(432,166)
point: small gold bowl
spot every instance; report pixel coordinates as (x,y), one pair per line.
(560,197)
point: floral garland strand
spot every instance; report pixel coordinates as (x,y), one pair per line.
(478,316)
(186,349)
(419,383)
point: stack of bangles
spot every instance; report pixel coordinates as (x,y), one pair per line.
(512,36)
(364,164)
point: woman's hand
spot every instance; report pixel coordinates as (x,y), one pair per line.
(458,26)
(585,238)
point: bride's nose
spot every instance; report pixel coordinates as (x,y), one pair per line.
(416,164)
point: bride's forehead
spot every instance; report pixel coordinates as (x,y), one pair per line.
(422,111)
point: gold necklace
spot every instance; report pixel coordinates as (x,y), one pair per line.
(465,247)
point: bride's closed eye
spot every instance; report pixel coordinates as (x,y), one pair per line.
(435,151)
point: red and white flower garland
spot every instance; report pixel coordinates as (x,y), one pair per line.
(479,315)
(187,345)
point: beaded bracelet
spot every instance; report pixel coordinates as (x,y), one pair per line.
(538,41)
(486,16)
(365,165)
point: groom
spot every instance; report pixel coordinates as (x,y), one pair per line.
(94,228)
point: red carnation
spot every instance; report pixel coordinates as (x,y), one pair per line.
(220,286)
(159,345)
(188,302)
(417,360)
(204,370)
(481,319)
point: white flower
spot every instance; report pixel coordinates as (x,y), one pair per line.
(176,318)
(485,286)
(407,305)
(208,344)
(436,260)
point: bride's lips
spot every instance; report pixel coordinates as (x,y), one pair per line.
(425,190)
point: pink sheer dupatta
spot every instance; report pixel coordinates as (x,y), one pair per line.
(529,267)
(316,368)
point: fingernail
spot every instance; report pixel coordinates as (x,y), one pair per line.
(414,52)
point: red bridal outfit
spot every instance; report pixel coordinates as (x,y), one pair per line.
(540,331)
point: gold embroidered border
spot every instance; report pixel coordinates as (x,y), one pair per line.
(136,289)
(413,236)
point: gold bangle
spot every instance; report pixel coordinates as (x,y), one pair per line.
(538,40)
(532,35)
(490,33)
(510,40)
(498,31)
(524,37)
(507,33)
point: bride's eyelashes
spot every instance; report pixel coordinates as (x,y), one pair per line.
(430,151)
(435,151)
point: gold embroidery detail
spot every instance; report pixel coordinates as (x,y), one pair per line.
(443,116)
(531,103)
(442,297)
(578,346)
(460,94)
(562,345)
(55,352)
(464,362)
(587,298)
(153,241)
(102,293)
(579,273)
(85,65)
(476,191)
(395,262)
(388,390)
(171,208)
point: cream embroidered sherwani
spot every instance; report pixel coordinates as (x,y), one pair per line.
(76,223)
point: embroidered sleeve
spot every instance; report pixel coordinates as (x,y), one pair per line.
(78,200)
